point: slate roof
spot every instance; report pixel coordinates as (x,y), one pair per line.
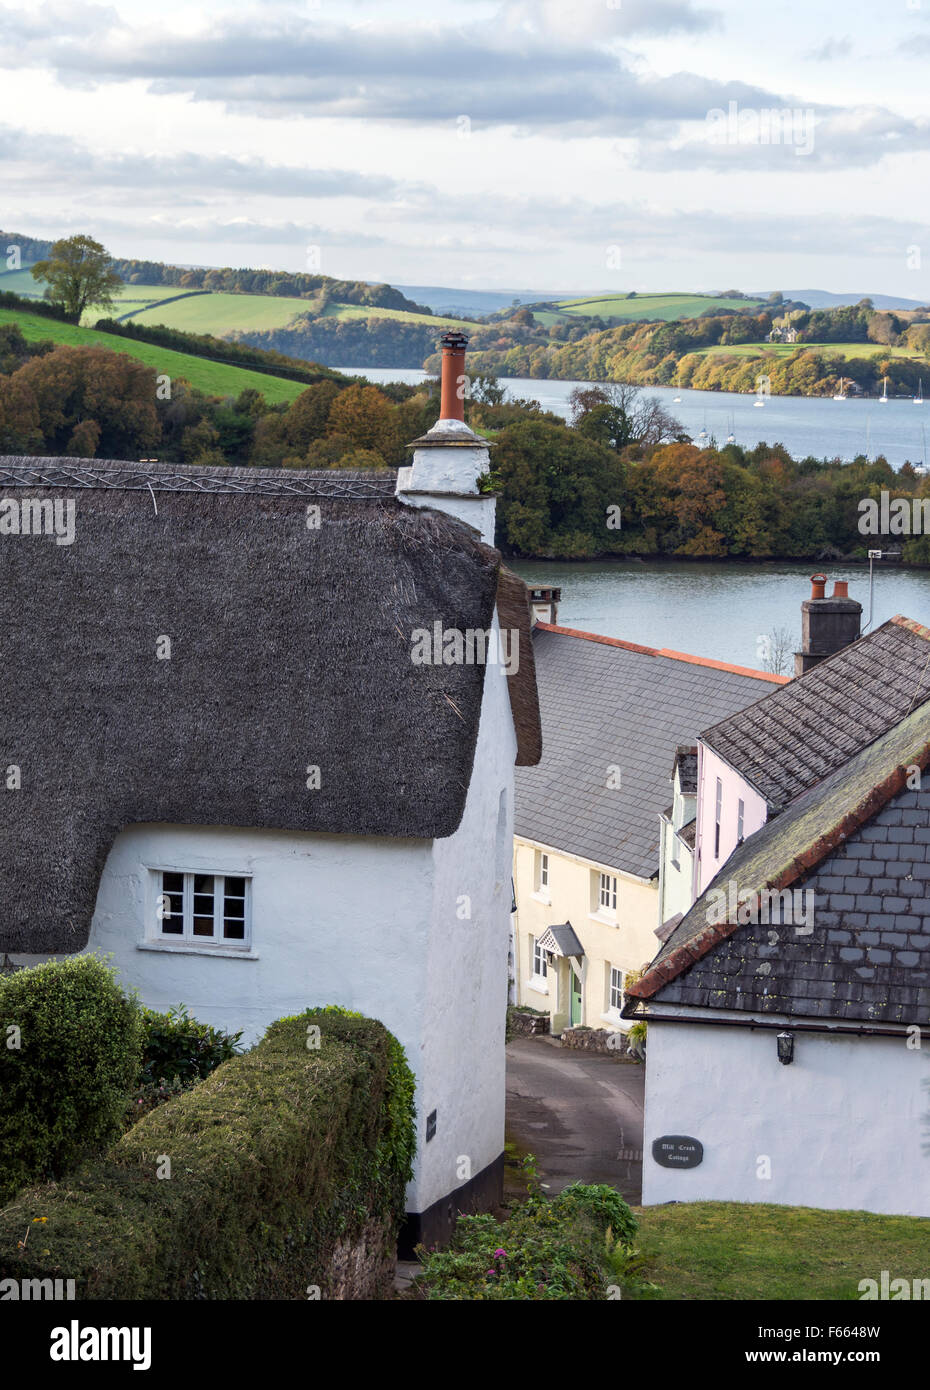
(688,832)
(607,703)
(686,762)
(860,843)
(291,649)
(561,939)
(799,734)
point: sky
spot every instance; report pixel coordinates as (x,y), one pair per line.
(552,145)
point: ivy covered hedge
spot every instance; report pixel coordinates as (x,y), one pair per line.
(254,1184)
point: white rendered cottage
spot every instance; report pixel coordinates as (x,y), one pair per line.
(231,771)
(789,1010)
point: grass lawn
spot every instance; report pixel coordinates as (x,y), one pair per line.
(653,306)
(735,1250)
(787,349)
(214,378)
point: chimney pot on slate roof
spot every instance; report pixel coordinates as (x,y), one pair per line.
(827,624)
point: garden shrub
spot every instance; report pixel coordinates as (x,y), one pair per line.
(279,1159)
(577,1246)
(70,1055)
(177,1047)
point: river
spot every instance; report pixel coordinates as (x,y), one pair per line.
(717,609)
(805,425)
(721,609)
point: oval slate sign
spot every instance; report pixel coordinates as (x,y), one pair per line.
(677,1151)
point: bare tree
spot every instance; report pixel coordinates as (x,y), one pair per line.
(619,414)
(776,651)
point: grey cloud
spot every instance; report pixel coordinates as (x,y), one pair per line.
(800,139)
(494,74)
(831,50)
(69,163)
(601,20)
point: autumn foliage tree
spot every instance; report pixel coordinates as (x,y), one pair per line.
(79,274)
(81,402)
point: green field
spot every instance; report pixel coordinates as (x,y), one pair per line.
(733,1250)
(225,313)
(787,349)
(365,311)
(213,378)
(21,282)
(651,306)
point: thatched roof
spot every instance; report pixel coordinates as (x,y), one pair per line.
(290,648)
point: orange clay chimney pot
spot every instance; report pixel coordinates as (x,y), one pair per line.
(452,398)
(841,588)
(818,584)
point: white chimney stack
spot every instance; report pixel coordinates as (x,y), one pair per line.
(450,458)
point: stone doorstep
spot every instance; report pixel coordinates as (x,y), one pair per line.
(405,1273)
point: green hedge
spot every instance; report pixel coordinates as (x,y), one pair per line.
(70,1053)
(278,1155)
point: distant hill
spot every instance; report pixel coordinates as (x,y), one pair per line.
(823,299)
(443,300)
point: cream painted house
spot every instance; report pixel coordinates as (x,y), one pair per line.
(588,828)
(612,912)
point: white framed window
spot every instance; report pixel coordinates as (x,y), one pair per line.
(540,964)
(718,811)
(541,875)
(740,818)
(607,892)
(615,990)
(201,909)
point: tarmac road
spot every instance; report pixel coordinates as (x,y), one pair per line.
(580,1113)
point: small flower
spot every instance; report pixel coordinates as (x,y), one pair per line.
(491,1273)
(500,1254)
(39,1218)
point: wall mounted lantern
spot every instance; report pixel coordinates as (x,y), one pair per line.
(785,1043)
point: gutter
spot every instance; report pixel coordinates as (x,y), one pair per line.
(832,1030)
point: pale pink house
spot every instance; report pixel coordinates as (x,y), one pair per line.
(753,764)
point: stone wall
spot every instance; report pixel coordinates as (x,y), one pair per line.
(364,1268)
(527,1025)
(600,1040)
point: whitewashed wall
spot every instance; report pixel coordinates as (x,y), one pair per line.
(369,923)
(844,1126)
(466,984)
